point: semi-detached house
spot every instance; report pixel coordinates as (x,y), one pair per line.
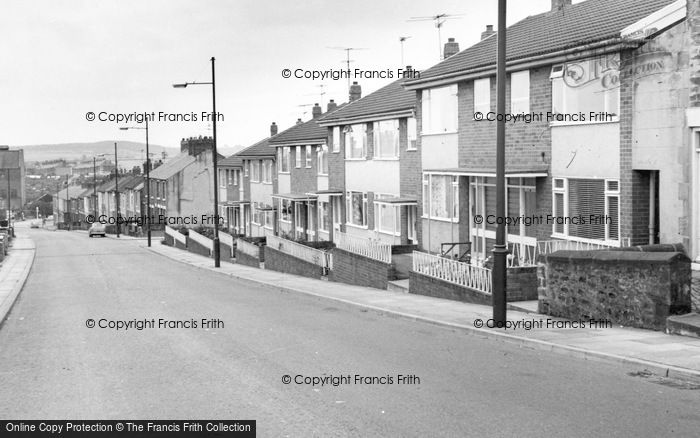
(603,85)
(303,199)
(374,166)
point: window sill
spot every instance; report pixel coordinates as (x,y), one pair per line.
(388,233)
(412,150)
(441,219)
(359,227)
(283,173)
(385,158)
(356,159)
(558,124)
(427,134)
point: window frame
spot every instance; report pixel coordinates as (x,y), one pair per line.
(307,156)
(322,160)
(380,152)
(350,132)
(349,220)
(335,134)
(440,104)
(520,99)
(482,96)
(411,134)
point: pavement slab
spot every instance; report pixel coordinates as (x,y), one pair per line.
(664,354)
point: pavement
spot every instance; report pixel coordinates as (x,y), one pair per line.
(14,271)
(660,353)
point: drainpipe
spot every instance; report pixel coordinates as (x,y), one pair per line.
(652,206)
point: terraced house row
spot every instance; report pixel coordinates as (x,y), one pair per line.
(400,183)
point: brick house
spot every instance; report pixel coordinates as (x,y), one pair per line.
(584,149)
(303,198)
(255,203)
(231,194)
(375,165)
(182,187)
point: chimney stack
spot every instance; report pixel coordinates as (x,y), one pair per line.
(273,129)
(559,4)
(451,48)
(299,122)
(316,111)
(332,106)
(488,32)
(355,91)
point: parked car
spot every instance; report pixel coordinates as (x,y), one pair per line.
(35,224)
(97,229)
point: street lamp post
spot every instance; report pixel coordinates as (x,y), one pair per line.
(217,254)
(500,250)
(94,186)
(116,186)
(148,181)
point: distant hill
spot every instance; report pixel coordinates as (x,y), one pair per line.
(127,150)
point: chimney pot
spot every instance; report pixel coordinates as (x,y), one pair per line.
(299,122)
(332,105)
(316,111)
(488,32)
(451,48)
(355,91)
(273,129)
(559,4)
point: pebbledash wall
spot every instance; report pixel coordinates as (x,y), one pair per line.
(654,93)
(638,289)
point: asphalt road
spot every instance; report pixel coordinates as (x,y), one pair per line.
(53,366)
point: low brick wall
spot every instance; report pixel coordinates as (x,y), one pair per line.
(424,285)
(245,259)
(180,245)
(168,239)
(225,251)
(638,289)
(282,262)
(351,268)
(197,248)
(521,283)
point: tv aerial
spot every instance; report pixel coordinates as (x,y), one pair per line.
(402,39)
(347,61)
(439,20)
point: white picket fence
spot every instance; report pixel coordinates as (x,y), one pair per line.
(202,240)
(176,235)
(303,252)
(368,248)
(452,271)
(247,248)
(526,255)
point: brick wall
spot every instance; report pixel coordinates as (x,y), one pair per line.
(354,269)
(303,179)
(196,248)
(281,262)
(521,283)
(245,259)
(638,289)
(169,240)
(433,287)
(336,170)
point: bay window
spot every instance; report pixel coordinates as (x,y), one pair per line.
(439,107)
(386,139)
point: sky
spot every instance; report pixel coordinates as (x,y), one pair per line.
(63,59)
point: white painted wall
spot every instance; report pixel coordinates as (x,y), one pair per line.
(379,176)
(284,183)
(439,151)
(586,151)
